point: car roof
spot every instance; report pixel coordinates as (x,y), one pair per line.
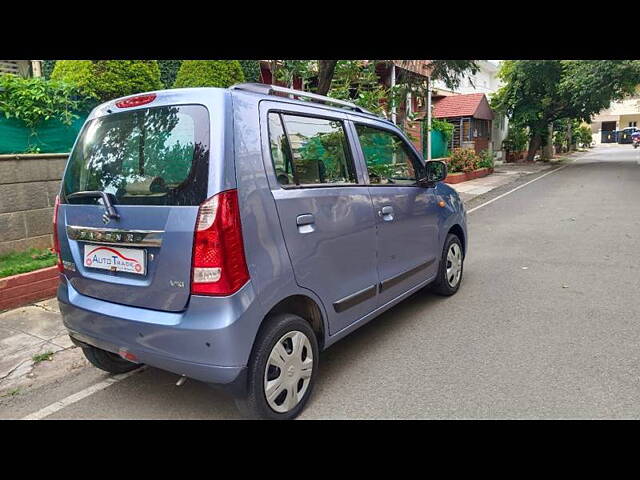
(268,92)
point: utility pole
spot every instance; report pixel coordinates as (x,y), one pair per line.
(428,119)
(393,84)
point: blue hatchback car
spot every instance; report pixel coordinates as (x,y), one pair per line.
(230,235)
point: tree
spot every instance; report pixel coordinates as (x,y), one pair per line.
(326,68)
(450,72)
(107,79)
(539,92)
(251,70)
(168,71)
(209,73)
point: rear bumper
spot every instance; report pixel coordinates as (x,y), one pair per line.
(210,341)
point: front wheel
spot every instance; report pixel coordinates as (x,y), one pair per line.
(451,265)
(281,370)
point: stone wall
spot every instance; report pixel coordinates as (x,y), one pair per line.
(28,188)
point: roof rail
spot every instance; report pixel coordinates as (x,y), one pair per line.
(265,89)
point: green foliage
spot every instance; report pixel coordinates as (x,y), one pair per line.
(357,81)
(209,73)
(451,72)
(104,80)
(584,136)
(485,159)
(444,127)
(251,70)
(517,138)
(168,71)
(34,100)
(41,357)
(27,261)
(117,78)
(463,160)
(285,71)
(47,68)
(75,72)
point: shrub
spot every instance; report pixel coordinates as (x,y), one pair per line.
(251,70)
(584,136)
(168,71)
(34,100)
(209,73)
(107,79)
(444,127)
(462,160)
(485,159)
(75,72)
(517,139)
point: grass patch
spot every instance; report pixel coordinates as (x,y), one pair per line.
(41,357)
(11,393)
(28,261)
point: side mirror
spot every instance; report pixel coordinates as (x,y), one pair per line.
(436,171)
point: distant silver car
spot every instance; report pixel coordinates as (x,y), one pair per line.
(229,235)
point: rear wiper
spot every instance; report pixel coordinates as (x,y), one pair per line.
(110,211)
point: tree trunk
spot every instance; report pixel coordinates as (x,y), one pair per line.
(569,139)
(547,151)
(534,144)
(325,75)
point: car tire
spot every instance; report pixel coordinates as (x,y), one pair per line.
(107,361)
(443,284)
(279,365)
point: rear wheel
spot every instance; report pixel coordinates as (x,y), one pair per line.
(107,361)
(281,370)
(450,271)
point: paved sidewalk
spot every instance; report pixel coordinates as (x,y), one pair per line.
(26,332)
(502,175)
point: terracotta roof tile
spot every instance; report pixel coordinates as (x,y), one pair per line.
(461,106)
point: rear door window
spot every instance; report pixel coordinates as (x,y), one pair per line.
(310,151)
(151,156)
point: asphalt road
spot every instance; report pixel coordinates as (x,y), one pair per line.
(546,324)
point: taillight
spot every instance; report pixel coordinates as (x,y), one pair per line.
(136,101)
(219,266)
(56,241)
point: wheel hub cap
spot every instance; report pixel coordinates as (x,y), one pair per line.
(288,371)
(454,264)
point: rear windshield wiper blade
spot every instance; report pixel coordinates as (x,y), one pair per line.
(111,211)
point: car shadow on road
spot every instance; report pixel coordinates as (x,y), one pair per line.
(153,393)
(347,352)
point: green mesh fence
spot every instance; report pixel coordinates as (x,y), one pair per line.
(51,136)
(438,145)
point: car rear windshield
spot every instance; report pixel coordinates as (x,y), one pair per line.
(150,156)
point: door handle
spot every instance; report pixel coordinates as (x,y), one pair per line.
(386,213)
(305,223)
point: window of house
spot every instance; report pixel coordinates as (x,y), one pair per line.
(389,159)
(309,150)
